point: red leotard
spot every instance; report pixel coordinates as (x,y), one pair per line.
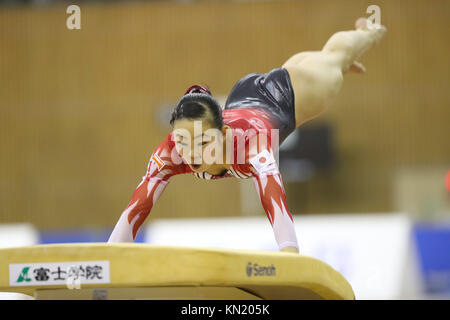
(250,160)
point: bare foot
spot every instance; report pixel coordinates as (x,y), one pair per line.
(377,30)
(361,23)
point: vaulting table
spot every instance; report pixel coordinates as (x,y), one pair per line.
(145,271)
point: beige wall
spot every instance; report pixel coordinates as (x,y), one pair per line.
(79,108)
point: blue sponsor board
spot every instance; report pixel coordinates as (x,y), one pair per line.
(433,247)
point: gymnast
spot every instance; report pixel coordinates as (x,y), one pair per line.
(241,139)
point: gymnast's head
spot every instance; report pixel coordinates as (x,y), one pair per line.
(198,128)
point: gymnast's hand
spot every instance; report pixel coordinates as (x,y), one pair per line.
(289,249)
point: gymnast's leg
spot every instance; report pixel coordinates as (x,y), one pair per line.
(317,76)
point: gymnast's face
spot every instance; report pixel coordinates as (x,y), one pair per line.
(198,143)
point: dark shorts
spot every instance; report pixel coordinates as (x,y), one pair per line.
(271,92)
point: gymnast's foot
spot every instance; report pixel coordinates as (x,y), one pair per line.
(378,32)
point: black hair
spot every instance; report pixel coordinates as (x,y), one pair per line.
(194,106)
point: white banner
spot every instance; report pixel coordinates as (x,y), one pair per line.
(71,274)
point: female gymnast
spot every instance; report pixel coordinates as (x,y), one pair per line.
(260,107)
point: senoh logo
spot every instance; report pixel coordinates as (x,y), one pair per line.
(254,269)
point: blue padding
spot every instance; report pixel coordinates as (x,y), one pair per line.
(433,246)
(79,235)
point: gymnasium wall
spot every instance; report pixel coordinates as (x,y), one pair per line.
(83,110)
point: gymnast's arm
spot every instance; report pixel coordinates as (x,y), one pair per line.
(159,171)
(134,215)
(273,198)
